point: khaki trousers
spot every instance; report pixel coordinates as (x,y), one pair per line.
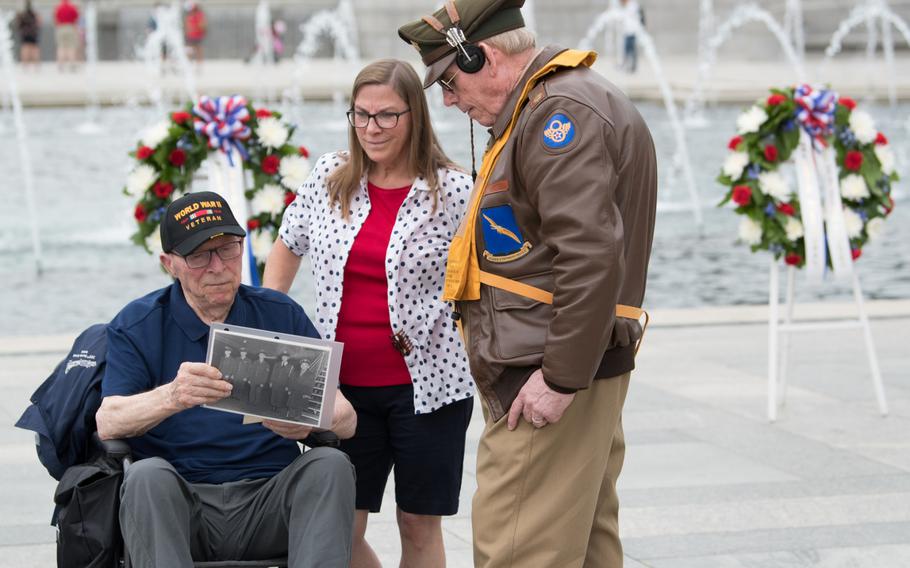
(546,497)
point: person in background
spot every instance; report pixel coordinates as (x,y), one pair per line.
(547,273)
(195,28)
(632,19)
(151,26)
(28,26)
(66,34)
(376,222)
(278,30)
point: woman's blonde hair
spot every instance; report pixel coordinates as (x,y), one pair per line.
(425,156)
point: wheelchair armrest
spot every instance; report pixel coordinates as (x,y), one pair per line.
(322,438)
(117,449)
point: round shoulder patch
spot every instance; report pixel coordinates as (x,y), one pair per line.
(558,131)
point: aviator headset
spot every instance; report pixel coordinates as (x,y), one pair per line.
(468,57)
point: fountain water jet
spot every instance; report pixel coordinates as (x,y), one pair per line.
(7,66)
(871,13)
(92,108)
(793,26)
(167,35)
(340,25)
(706,27)
(695,113)
(265,48)
(263,57)
(681,159)
(741,16)
(527,11)
(6,108)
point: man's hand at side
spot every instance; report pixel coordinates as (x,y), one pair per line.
(539,404)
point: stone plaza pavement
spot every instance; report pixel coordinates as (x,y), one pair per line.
(708,482)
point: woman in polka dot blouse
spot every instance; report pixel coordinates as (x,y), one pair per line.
(376,222)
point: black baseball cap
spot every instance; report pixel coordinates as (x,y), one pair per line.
(195,218)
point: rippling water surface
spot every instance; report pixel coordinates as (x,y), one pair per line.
(91,270)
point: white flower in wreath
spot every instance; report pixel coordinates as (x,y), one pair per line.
(875,228)
(140,179)
(294,171)
(735,164)
(272,133)
(853,223)
(751,120)
(155,134)
(774,184)
(886,158)
(863,126)
(153,241)
(750,231)
(854,187)
(269,199)
(794,229)
(261,242)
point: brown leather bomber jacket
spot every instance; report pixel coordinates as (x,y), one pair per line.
(569,208)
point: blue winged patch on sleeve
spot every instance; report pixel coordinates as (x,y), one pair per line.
(558,131)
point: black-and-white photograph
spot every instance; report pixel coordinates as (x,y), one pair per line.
(276,376)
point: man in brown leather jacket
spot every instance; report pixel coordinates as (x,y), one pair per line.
(546,272)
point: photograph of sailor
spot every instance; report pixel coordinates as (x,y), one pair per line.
(259,383)
(228,366)
(280,378)
(242,377)
(300,397)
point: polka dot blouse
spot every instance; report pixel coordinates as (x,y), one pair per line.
(415,268)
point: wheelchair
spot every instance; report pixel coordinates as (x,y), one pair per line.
(119,451)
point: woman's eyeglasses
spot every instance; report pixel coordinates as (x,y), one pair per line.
(384,119)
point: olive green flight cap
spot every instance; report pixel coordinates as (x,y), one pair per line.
(479,20)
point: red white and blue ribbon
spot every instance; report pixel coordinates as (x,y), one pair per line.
(223,121)
(815,112)
(821,209)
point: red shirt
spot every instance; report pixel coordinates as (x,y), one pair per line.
(195,25)
(369,358)
(66,13)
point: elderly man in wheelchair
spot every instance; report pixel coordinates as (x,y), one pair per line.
(204,486)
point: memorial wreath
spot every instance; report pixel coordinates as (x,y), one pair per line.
(839,155)
(171,151)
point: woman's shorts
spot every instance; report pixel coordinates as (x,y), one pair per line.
(426,450)
(67,36)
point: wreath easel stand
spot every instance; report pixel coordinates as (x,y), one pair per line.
(844,172)
(780,329)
